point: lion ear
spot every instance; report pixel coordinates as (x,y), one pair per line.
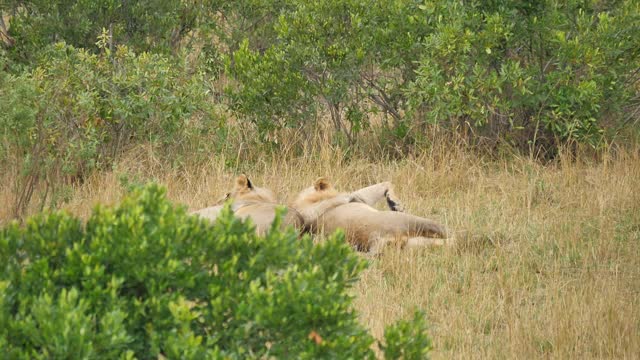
(321,184)
(243,182)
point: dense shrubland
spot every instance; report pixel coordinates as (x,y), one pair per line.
(81,81)
(505,69)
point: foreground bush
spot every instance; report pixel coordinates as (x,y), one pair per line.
(144,279)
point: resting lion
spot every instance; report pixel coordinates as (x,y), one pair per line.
(258,204)
(324,209)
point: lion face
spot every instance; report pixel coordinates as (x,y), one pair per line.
(244,190)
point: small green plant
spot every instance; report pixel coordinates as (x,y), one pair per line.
(145,279)
(407,339)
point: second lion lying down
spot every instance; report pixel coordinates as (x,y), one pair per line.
(322,209)
(325,210)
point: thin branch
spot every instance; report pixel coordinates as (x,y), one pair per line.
(4,33)
(383,99)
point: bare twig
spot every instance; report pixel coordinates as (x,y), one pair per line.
(4,33)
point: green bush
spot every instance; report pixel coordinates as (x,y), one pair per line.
(76,111)
(533,75)
(144,278)
(529,73)
(269,92)
(407,339)
(353,56)
(35,24)
(544,71)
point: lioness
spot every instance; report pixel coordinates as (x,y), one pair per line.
(258,204)
(324,209)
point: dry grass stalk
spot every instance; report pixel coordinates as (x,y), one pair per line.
(549,266)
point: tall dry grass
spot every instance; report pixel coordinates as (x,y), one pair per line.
(550,266)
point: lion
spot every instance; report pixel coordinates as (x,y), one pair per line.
(324,210)
(255,203)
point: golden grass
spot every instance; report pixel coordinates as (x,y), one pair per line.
(550,266)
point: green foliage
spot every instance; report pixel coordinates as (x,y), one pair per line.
(270,92)
(531,74)
(353,55)
(544,71)
(76,110)
(557,69)
(143,25)
(63,328)
(407,339)
(145,278)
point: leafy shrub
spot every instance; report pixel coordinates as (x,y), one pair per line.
(76,111)
(144,279)
(532,74)
(354,56)
(543,72)
(407,339)
(269,92)
(37,23)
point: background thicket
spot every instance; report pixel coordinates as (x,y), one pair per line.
(81,80)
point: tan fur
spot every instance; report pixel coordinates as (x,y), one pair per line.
(258,204)
(325,210)
(316,200)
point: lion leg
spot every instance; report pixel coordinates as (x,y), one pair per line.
(411,225)
(420,242)
(377,244)
(392,201)
(210,213)
(370,195)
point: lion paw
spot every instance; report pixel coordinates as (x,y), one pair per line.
(393,204)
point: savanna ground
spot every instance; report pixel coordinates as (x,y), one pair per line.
(549,265)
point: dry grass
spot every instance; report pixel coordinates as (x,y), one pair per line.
(550,266)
